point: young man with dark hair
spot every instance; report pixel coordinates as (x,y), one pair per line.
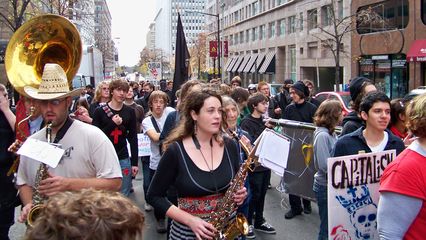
(259,179)
(118,122)
(302,111)
(147,89)
(374,136)
(283,98)
(240,96)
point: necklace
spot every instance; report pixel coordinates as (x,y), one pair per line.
(198,146)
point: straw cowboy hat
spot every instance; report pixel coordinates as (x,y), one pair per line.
(54,84)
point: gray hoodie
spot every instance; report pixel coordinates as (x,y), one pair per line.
(323,145)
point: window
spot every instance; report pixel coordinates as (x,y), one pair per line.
(388,15)
(340,9)
(262,32)
(312,19)
(282,27)
(326,15)
(292,51)
(272,30)
(241,37)
(247,35)
(423,11)
(301,21)
(292,24)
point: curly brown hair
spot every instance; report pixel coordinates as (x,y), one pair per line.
(88,214)
(328,115)
(187,124)
(416,116)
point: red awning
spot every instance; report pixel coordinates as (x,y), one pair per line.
(417,52)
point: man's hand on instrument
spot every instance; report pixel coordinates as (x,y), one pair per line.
(14,147)
(53,185)
(269,124)
(24,213)
(240,196)
(201,228)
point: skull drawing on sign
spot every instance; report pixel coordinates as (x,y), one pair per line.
(364,221)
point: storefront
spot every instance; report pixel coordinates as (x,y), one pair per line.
(417,55)
(389,73)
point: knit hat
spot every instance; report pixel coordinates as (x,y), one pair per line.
(299,85)
(355,86)
(288,81)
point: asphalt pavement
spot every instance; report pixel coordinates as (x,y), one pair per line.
(303,227)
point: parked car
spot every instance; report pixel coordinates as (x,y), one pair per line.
(342,97)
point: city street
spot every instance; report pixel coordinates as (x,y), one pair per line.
(304,227)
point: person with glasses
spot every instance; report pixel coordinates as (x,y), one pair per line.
(7,191)
(89,159)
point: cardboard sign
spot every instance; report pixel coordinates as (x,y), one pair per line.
(353,194)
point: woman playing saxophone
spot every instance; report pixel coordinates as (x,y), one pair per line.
(200,163)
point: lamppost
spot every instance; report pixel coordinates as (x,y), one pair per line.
(217,36)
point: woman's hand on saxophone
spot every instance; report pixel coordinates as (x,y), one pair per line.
(240,196)
(201,228)
(24,213)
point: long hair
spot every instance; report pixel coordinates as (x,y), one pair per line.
(194,102)
(328,115)
(98,91)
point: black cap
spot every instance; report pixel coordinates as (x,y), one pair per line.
(299,85)
(355,86)
(288,81)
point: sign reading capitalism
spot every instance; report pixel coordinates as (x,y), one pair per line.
(353,194)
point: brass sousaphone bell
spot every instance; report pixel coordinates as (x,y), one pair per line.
(43,39)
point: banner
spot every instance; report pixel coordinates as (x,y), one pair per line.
(225,48)
(353,194)
(154,71)
(144,145)
(299,174)
(213,49)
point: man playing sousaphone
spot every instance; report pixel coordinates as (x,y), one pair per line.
(89,160)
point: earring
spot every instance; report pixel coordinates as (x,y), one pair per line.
(195,127)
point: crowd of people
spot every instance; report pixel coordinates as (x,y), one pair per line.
(194,158)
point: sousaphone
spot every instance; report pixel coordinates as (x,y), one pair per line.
(43,39)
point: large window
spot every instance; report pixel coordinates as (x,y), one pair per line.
(326,15)
(282,27)
(312,19)
(272,30)
(292,51)
(387,15)
(423,11)
(292,24)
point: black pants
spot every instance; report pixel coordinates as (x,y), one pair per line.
(7,217)
(157,213)
(258,185)
(296,205)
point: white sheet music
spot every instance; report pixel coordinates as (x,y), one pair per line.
(273,150)
(41,151)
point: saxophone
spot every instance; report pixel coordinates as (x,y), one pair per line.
(38,199)
(229,229)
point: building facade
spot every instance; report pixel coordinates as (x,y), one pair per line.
(193,22)
(150,37)
(391,51)
(273,40)
(103,36)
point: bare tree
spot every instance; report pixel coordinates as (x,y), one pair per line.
(198,54)
(12,13)
(154,55)
(334,27)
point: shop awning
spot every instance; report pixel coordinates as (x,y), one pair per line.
(258,62)
(250,63)
(244,63)
(266,64)
(417,52)
(237,63)
(229,64)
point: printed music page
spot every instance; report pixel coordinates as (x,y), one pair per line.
(42,152)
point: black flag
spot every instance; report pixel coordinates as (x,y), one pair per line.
(181,60)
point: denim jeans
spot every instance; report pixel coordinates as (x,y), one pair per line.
(126,181)
(321,195)
(146,174)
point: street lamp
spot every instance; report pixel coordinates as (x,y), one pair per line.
(217,36)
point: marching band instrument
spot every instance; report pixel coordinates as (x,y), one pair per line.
(43,39)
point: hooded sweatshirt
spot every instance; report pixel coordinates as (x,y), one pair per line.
(351,123)
(323,147)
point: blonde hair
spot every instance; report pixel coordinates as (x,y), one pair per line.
(416,116)
(88,214)
(98,91)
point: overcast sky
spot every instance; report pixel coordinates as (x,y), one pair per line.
(130,23)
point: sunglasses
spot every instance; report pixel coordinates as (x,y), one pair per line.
(54,102)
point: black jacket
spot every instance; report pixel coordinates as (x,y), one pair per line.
(303,112)
(354,142)
(254,127)
(351,123)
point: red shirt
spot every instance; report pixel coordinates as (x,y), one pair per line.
(397,133)
(406,175)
